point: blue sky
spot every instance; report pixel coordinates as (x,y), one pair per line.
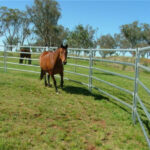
(106,15)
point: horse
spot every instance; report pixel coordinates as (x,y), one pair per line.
(25,53)
(52,62)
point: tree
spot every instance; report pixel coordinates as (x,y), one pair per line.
(14,25)
(9,23)
(11,41)
(82,37)
(132,32)
(60,33)
(44,15)
(121,41)
(24,30)
(146,33)
(107,42)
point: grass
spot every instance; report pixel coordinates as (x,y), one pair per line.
(33,117)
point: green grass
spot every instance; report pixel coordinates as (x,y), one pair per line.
(33,117)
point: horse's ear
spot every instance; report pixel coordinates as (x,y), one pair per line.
(66,46)
(61,46)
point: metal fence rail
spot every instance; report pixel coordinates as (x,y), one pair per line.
(90,76)
(137,98)
(113,73)
(116,62)
(114,97)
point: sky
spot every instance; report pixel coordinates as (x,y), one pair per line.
(105,15)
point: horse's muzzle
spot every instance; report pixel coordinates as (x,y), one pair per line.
(64,63)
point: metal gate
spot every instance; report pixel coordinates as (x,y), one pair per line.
(77,55)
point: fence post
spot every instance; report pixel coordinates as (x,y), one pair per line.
(135,86)
(75,60)
(90,69)
(5,58)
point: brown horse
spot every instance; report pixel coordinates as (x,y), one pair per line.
(25,53)
(52,63)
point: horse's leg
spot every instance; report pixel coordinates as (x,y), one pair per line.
(62,81)
(21,59)
(42,74)
(45,79)
(29,59)
(49,80)
(54,83)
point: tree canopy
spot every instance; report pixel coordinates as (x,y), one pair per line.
(14,25)
(40,21)
(107,42)
(132,32)
(44,15)
(82,37)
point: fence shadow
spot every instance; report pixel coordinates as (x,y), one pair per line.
(86,92)
(108,74)
(83,91)
(147,124)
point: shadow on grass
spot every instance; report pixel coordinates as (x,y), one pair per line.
(83,91)
(108,74)
(86,92)
(147,124)
(145,121)
(119,105)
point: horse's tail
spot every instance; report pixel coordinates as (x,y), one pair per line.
(42,74)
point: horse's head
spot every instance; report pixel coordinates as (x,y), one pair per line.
(63,54)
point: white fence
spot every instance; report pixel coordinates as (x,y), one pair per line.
(91,59)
